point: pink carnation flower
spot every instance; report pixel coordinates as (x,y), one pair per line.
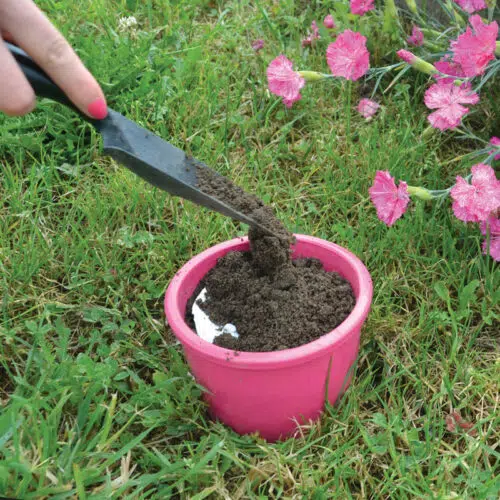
(313,35)
(258,45)
(471,6)
(348,56)
(284,81)
(328,22)
(416,38)
(315,30)
(367,107)
(493,225)
(450,68)
(389,200)
(307,41)
(448,98)
(475,202)
(361,7)
(473,50)
(495,141)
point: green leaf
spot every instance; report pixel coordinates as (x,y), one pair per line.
(442,291)
(468,294)
(380,420)
(159,378)
(121,376)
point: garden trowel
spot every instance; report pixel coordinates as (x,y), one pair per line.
(141,151)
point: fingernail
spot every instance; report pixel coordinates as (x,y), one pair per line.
(98,109)
(6,35)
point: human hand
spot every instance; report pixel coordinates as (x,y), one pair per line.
(22,22)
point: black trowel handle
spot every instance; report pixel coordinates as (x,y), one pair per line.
(41,82)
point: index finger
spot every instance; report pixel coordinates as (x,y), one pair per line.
(36,35)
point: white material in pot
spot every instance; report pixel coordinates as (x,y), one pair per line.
(204,327)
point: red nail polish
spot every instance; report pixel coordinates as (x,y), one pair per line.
(98,109)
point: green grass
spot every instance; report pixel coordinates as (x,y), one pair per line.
(96,399)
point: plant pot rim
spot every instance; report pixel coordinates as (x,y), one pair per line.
(274,359)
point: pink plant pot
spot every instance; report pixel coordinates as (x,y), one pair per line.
(271,392)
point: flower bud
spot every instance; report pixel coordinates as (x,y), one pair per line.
(412,6)
(420,192)
(416,62)
(311,76)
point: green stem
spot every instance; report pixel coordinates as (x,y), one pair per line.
(348,112)
(440,193)
(427,31)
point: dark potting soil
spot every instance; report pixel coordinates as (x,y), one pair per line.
(274,302)
(270,252)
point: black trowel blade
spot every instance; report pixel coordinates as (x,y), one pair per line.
(161,164)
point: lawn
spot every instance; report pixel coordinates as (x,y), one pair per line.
(96,400)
